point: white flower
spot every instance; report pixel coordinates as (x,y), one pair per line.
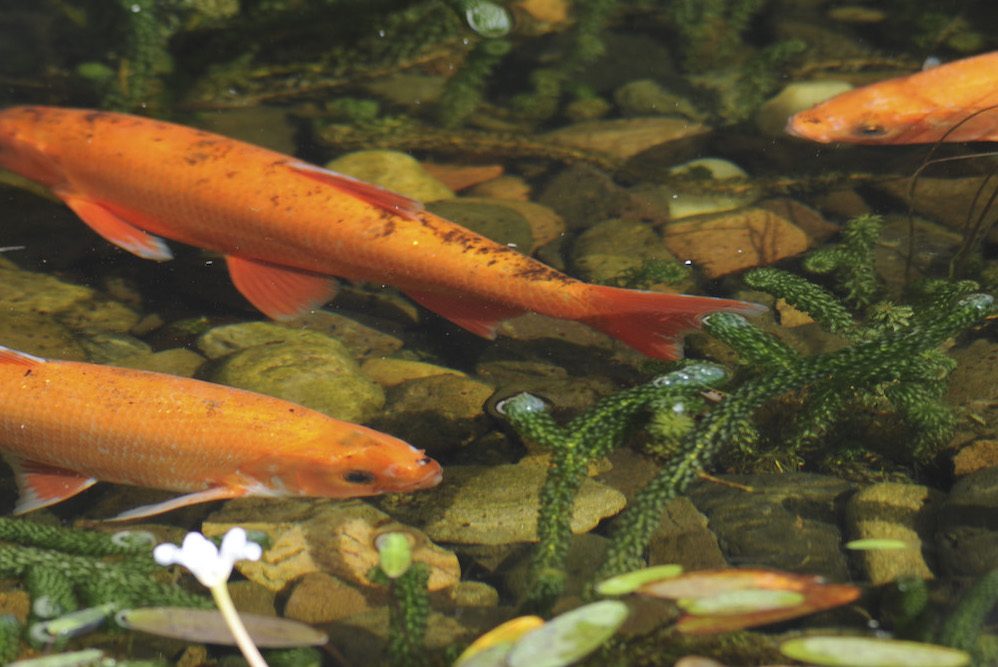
(210,565)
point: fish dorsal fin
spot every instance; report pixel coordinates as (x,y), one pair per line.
(375,195)
(278,292)
(114,229)
(196,498)
(475,315)
(41,485)
(13,357)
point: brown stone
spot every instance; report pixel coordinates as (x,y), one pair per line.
(459,177)
(504,187)
(735,241)
(626,137)
(316,535)
(322,598)
(976,456)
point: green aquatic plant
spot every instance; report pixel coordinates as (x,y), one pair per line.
(574,446)
(711,30)
(464,90)
(961,628)
(10,638)
(729,425)
(99,567)
(409,612)
(585,47)
(850,262)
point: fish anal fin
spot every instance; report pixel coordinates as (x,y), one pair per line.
(196,498)
(375,195)
(477,316)
(278,292)
(116,230)
(13,357)
(41,485)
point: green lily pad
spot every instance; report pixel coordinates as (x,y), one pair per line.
(569,637)
(394,553)
(743,601)
(626,583)
(872,544)
(207,626)
(871,652)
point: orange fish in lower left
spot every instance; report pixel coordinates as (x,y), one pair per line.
(65,425)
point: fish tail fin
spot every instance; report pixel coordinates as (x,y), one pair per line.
(654,322)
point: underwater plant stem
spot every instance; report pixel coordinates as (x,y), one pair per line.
(860,364)
(224,601)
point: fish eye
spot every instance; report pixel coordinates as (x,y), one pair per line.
(870,130)
(358,477)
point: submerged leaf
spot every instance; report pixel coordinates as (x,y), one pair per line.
(745,601)
(871,652)
(569,637)
(84,658)
(630,581)
(503,635)
(207,626)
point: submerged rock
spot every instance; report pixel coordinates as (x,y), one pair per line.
(498,505)
(309,535)
(625,138)
(437,413)
(967,533)
(393,170)
(301,366)
(892,511)
(735,241)
(609,249)
(319,374)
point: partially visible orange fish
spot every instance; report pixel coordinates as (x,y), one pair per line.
(286,227)
(953,103)
(65,425)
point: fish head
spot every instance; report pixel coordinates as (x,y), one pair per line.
(875,114)
(23,148)
(361,462)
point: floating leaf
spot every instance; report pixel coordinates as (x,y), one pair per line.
(207,626)
(746,600)
(85,658)
(626,583)
(872,544)
(568,637)
(816,596)
(505,634)
(871,652)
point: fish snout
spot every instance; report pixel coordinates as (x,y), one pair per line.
(423,473)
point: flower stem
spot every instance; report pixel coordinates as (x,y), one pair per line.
(224,601)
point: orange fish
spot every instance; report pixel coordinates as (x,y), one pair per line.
(64,425)
(953,102)
(287,227)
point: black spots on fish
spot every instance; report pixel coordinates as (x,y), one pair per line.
(202,182)
(207,149)
(27,372)
(539,272)
(231,174)
(275,200)
(358,477)
(97,116)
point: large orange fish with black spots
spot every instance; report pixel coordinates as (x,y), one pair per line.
(65,425)
(288,228)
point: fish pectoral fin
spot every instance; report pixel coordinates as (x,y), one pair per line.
(477,316)
(278,292)
(114,229)
(196,498)
(374,195)
(41,485)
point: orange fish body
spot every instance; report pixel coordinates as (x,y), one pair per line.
(954,102)
(287,227)
(64,425)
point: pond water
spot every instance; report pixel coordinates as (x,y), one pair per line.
(398,288)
